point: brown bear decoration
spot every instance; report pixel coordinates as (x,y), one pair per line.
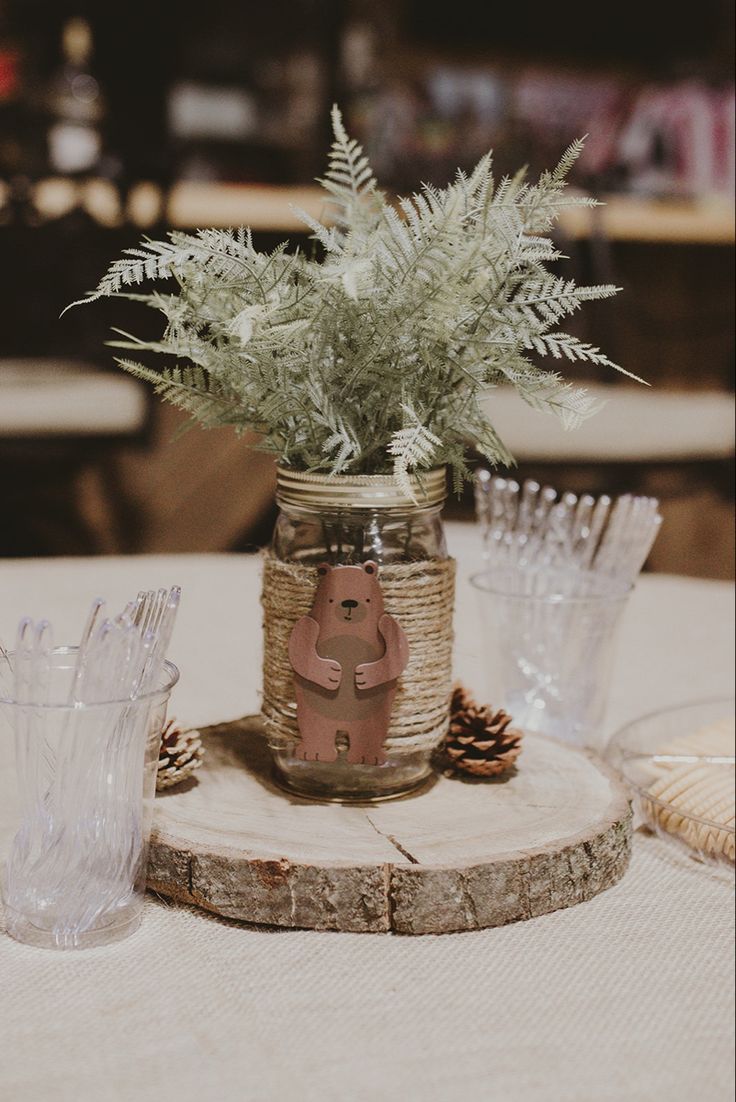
(346,655)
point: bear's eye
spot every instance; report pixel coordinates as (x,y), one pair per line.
(332,600)
(367,600)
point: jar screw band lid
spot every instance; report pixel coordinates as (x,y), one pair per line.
(369,491)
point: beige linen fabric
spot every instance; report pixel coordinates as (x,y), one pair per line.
(627,997)
(623,998)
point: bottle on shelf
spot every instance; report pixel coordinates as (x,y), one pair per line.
(10,96)
(75,105)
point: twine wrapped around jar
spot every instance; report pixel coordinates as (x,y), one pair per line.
(420,595)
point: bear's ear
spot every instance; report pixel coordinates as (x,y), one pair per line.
(370,567)
(323,569)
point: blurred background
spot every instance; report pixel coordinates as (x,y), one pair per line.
(119,121)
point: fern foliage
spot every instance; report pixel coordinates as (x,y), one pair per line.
(374,357)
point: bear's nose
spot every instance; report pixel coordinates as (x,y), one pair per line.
(349,604)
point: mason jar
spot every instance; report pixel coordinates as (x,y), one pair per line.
(350,520)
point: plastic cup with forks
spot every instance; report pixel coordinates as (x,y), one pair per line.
(82,726)
(548,652)
(74,830)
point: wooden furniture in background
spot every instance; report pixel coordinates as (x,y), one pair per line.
(675,445)
(62,426)
(201,490)
(270,208)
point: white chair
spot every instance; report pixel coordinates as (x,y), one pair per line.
(638,425)
(675,445)
(59,420)
(643,439)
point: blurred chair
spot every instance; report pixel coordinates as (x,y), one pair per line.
(675,445)
(62,425)
(641,439)
(64,419)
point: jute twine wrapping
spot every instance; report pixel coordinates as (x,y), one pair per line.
(420,595)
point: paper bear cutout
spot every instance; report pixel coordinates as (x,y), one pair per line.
(346,655)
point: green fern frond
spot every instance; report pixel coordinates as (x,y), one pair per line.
(349,178)
(562,345)
(413,446)
(153,260)
(372,357)
(327,237)
(567,161)
(187,388)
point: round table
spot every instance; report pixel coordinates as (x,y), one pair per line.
(625,997)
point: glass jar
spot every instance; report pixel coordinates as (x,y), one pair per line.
(347,520)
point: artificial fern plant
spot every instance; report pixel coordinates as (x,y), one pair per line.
(371,358)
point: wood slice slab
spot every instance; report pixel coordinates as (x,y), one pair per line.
(460,855)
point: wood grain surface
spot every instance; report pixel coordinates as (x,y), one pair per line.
(460,855)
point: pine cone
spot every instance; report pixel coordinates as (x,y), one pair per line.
(480,741)
(180,755)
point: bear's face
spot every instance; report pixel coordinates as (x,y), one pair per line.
(349,597)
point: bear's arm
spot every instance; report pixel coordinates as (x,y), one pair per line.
(304,658)
(394,661)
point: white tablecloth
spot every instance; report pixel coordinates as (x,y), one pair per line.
(628,997)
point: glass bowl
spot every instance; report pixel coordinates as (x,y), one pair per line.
(657,759)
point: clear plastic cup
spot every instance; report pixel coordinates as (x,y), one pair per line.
(548,655)
(76,803)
